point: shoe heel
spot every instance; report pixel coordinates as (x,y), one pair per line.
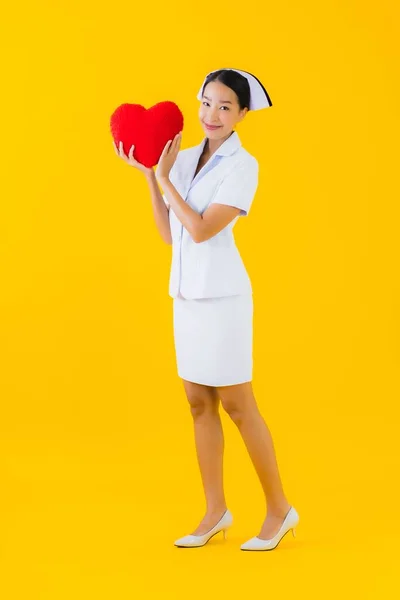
(224,533)
(294,532)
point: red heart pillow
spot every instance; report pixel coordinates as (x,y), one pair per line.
(148,129)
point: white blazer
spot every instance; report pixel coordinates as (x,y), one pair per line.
(212,268)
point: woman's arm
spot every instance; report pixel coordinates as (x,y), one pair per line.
(201,227)
(160,209)
(233,197)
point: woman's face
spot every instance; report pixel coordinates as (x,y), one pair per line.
(220,108)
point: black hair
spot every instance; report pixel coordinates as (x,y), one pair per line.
(234,80)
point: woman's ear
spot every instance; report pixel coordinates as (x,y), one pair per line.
(243,113)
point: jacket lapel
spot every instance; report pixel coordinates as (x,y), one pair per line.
(189,165)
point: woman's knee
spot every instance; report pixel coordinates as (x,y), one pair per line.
(202,399)
(237,401)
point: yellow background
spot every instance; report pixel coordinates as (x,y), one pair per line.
(98,466)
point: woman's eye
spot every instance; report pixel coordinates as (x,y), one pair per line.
(221,106)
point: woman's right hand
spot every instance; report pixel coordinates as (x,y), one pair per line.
(130,160)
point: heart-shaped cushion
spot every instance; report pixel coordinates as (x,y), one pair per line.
(148,129)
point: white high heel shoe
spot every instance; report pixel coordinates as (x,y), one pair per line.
(194,541)
(290,522)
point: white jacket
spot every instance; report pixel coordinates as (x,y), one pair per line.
(212,268)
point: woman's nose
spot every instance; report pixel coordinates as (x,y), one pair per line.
(214,115)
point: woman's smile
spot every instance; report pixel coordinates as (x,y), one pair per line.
(212,127)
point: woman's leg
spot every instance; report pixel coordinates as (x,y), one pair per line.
(209,439)
(240,403)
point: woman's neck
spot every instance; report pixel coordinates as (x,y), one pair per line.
(212,146)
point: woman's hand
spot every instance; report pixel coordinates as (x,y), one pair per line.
(130,160)
(168,157)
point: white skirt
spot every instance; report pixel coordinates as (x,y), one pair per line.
(214,339)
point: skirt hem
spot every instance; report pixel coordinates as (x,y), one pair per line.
(191,380)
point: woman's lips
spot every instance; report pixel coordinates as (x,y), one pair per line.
(212,126)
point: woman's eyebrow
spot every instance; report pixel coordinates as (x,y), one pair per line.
(221,101)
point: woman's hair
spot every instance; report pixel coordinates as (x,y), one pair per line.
(234,80)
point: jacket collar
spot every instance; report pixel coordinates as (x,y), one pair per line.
(227,148)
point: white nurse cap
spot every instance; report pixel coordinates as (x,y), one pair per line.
(259,97)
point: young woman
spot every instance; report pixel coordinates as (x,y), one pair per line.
(206,189)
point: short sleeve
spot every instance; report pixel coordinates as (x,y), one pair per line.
(238,187)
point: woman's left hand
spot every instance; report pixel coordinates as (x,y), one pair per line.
(168,157)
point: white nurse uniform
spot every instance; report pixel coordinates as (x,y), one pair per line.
(212,292)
